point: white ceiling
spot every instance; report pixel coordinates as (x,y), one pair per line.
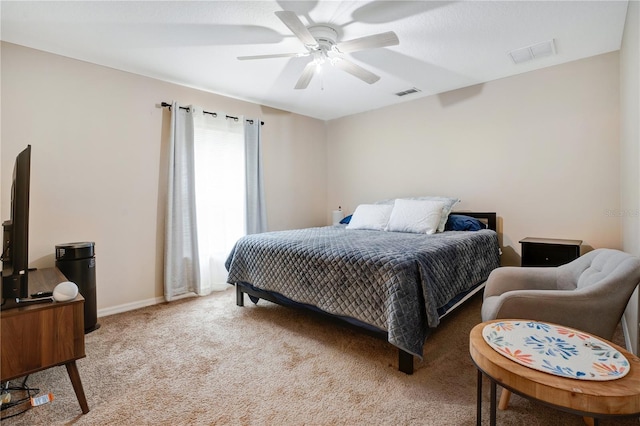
(444,45)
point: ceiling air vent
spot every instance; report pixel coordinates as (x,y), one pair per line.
(408,92)
(538,50)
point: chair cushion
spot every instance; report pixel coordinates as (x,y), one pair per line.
(594,267)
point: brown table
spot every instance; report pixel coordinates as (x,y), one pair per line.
(597,399)
(44,335)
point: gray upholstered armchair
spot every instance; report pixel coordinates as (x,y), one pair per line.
(589,294)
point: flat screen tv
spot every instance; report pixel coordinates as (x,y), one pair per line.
(15,245)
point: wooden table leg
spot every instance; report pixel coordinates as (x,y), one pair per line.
(505,395)
(74,375)
(479,400)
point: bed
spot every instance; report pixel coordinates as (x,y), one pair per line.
(396,285)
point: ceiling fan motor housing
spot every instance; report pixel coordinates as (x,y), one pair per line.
(326,36)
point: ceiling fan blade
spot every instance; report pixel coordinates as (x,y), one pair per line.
(307,74)
(275,55)
(296,26)
(357,71)
(369,42)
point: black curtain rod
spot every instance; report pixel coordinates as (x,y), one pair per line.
(168,105)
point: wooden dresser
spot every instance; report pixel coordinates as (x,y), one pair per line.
(44,335)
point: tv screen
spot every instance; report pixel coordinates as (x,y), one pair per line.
(15,247)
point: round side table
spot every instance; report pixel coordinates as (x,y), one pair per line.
(597,399)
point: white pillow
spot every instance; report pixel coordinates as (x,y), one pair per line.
(448,206)
(417,216)
(370,216)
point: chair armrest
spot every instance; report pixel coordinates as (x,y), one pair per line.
(511,278)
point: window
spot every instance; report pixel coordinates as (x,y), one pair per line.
(220,193)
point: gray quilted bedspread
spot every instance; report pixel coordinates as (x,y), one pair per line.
(393,281)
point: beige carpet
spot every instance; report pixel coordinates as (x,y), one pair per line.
(205,361)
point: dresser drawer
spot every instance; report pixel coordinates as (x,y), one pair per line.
(549,252)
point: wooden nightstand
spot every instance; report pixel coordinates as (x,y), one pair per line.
(549,251)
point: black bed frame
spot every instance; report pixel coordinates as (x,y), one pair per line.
(405,359)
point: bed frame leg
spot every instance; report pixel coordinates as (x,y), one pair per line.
(239,296)
(405,362)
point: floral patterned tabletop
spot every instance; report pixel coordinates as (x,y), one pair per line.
(557,350)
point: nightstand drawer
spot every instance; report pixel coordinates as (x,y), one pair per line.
(549,252)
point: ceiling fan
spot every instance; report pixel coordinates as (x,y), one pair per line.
(322,45)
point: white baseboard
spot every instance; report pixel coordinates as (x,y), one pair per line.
(137,305)
(129,306)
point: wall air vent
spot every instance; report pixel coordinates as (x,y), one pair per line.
(408,92)
(538,50)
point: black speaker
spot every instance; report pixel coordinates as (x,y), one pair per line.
(77,262)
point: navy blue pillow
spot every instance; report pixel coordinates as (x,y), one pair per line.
(459,222)
(346,220)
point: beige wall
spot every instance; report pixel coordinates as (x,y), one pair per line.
(630,154)
(98,164)
(541,149)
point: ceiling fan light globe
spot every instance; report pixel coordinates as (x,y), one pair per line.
(318,57)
